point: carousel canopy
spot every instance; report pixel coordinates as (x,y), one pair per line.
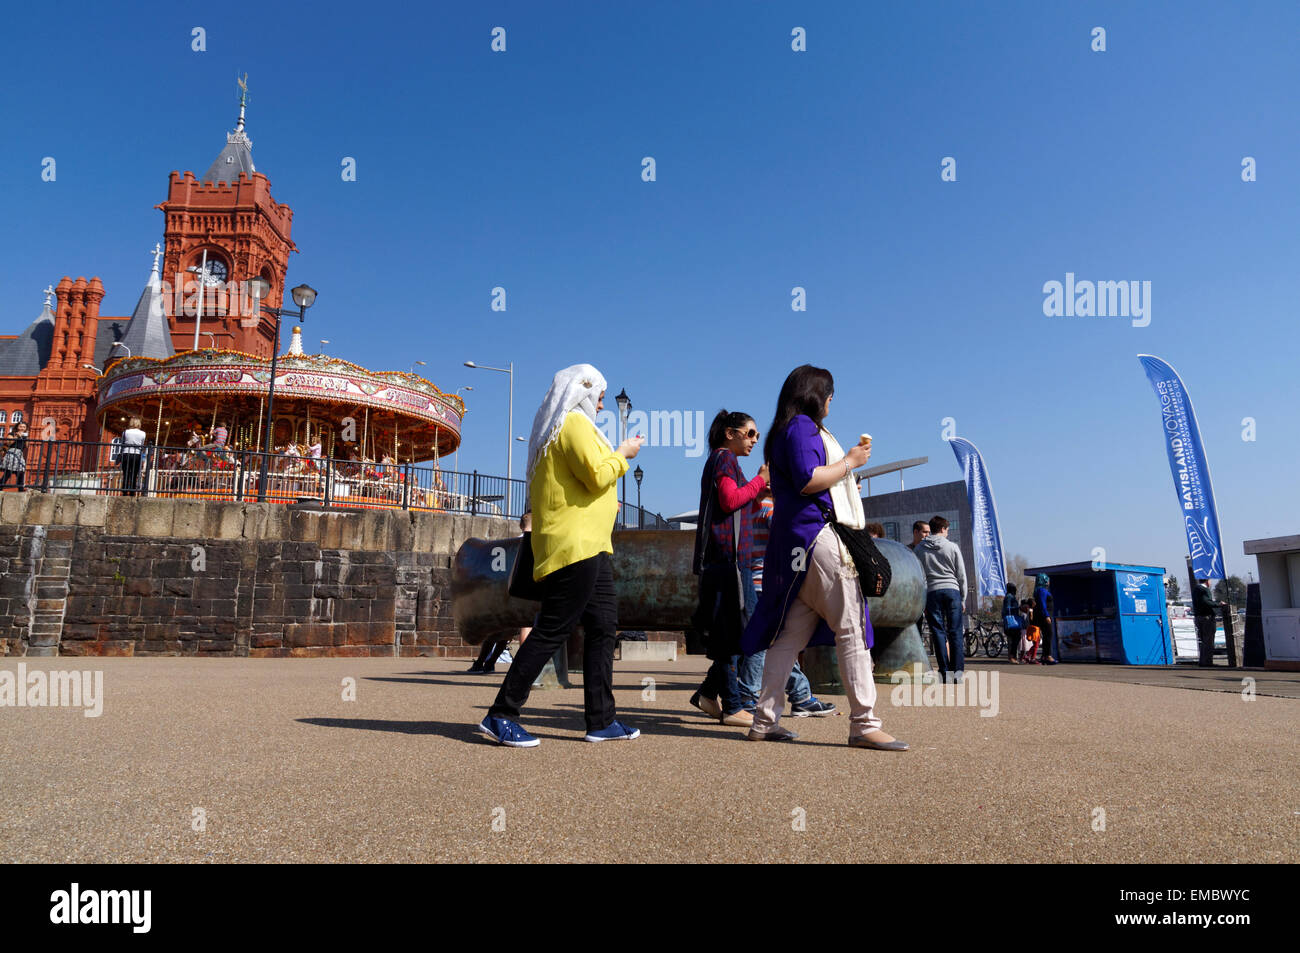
(341,404)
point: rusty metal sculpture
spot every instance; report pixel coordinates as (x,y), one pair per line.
(657,591)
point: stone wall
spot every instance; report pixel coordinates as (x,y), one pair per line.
(88,575)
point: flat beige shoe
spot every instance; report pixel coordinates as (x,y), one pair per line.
(741,719)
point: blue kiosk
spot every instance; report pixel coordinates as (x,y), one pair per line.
(1110,612)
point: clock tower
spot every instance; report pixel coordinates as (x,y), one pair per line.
(219,231)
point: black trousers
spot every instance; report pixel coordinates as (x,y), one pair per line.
(130,473)
(18,474)
(1047,648)
(1206,628)
(487,656)
(579,593)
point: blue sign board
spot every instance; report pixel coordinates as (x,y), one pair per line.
(1139,593)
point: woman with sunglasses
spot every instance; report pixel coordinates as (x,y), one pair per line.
(723,552)
(811,594)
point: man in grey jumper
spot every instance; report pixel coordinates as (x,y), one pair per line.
(945,585)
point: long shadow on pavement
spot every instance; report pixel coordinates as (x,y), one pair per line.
(559,726)
(468,679)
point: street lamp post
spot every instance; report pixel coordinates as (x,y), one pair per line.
(510,415)
(304,297)
(624,408)
(638,473)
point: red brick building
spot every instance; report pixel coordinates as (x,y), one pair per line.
(223,228)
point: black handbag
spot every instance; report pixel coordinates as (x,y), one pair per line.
(521,584)
(874,571)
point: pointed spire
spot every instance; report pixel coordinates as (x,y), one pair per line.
(237,157)
(295,343)
(243,101)
(146,334)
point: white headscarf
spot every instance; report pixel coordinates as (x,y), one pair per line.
(575,388)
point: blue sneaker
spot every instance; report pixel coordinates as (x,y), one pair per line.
(812,707)
(617,731)
(505,732)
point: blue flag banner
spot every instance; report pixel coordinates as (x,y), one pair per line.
(1187,462)
(985,538)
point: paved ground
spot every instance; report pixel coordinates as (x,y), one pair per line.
(285,770)
(1220,678)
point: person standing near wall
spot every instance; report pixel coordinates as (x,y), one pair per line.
(945,585)
(1204,609)
(572,482)
(133,439)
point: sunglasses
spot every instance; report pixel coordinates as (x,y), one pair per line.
(751,433)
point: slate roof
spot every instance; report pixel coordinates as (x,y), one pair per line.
(146,334)
(235,158)
(108,331)
(28,353)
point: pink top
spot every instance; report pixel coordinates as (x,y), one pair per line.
(733,497)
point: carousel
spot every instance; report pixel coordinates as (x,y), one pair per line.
(340,430)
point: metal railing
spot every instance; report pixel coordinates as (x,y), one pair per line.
(218,473)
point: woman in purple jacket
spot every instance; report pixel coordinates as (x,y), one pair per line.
(811,594)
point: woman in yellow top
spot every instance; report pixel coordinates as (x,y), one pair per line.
(572,488)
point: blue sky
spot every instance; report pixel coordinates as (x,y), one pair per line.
(775,169)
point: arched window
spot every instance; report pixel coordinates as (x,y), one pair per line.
(4,418)
(18,416)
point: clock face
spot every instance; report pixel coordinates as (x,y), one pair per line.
(217,273)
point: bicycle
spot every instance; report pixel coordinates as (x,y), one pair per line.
(987,636)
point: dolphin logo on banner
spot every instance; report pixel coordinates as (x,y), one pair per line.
(985,537)
(1187,464)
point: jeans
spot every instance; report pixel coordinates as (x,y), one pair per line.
(720,682)
(943,612)
(749,678)
(582,592)
(749,670)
